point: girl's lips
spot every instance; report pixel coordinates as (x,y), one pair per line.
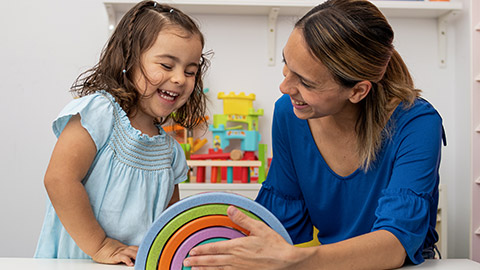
(167,95)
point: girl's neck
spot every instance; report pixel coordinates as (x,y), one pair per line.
(144,123)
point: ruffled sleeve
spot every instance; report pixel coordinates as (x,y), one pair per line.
(96,112)
(408,206)
(406,215)
(290,211)
(280,193)
(179,163)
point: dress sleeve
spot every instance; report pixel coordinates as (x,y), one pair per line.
(179,163)
(280,192)
(409,203)
(96,112)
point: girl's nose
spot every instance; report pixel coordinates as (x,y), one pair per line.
(178,77)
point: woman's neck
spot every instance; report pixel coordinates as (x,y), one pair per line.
(342,123)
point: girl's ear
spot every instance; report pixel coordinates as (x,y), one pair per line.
(360,91)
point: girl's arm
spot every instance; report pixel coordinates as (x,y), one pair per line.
(175,197)
(265,249)
(71,159)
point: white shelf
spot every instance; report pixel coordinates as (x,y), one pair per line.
(442,11)
(249,190)
(404,9)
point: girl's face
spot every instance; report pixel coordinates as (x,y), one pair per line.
(170,66)
(312,89)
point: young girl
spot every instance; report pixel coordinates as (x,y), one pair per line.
(114,169)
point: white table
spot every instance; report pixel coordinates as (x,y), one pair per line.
(60,264)
(445,264)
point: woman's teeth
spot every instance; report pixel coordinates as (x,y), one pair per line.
(299,103)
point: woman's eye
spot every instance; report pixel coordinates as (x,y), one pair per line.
(305,84)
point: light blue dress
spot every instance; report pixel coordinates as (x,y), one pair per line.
(130,182)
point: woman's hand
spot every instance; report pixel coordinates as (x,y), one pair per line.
(263,249)
(114,252)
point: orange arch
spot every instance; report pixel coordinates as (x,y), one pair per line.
(188,229)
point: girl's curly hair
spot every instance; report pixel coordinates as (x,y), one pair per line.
(136,33)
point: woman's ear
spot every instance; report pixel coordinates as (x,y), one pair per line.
(360,91)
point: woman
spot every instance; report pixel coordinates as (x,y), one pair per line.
(356,154)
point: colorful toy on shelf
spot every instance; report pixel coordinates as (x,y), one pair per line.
(239,121)
(237,109)
(196,220)
(219,161)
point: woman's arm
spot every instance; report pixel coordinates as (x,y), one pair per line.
(71,159)
(374,250)
(265,249)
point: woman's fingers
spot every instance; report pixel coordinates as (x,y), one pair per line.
(255,227)
(211,261)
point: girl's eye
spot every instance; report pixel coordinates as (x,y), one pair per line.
(190,73)
(166,66)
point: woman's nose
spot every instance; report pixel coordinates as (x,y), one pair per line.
(286,86)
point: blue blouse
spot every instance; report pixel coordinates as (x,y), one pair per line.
(129,183)
(399,193)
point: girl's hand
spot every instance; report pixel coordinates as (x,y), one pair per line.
(114,252)
(263,249)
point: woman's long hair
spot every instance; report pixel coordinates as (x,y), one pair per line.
(353,40)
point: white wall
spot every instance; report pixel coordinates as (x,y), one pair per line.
(46,44)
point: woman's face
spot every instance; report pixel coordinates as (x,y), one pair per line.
(312,89)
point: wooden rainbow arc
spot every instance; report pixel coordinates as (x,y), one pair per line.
(197,220)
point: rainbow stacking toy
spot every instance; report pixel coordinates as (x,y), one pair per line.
(194,221)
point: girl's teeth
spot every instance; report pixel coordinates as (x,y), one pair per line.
(168,95)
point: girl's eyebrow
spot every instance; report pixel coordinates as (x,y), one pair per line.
(307,81)
(175,59)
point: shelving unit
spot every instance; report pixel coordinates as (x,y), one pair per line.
(475,62)
(405,9)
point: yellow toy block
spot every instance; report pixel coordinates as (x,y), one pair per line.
(236,104)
